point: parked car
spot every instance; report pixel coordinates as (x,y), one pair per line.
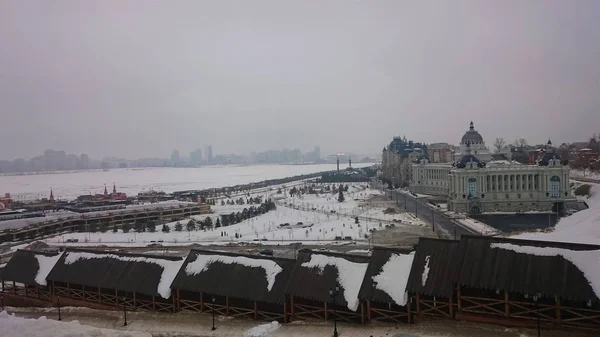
(266,252)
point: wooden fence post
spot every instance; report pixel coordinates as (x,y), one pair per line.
(558,319)
(506,304)
(326,312)
(227,305)
(418,304)
(408,309)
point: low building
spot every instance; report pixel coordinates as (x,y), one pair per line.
(440,152)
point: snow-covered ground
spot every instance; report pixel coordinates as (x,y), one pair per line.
(131,181)
(90,322)
(310,210)
(11,326)
(587,174)
(581,227)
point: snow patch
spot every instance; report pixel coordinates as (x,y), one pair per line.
(262,330)
(46,263)
(394,276)
(170,268)
(11,326)
(350,275)
(586,260)
(203,261)
(425,271)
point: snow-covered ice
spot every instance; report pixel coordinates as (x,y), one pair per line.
(262,330)
(202,262)
(167,179)
(11,326)
(394,276)
(46,263)
(350,275)
(588,261)
(170,268)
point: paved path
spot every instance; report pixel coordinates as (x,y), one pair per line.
(429,214)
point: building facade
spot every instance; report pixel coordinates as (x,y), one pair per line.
(476,187)
(430,178)
(478,183)
(440,153)
(397,160)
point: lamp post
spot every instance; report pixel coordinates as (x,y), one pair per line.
(537,312)
(333,293)
(58,304)
(124,312)
(213,313)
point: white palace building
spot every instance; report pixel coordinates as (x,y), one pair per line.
(476,184)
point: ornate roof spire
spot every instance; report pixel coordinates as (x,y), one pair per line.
(471,126)
(51,194)
(105,191)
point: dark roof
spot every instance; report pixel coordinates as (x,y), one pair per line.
(467,158)
(112,270)
(379,258)
(23,266)
(314,283)
(471,136)
(549,155)
(502,269)
(235,280)
(443,267)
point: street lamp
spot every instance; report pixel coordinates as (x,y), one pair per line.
(124,312)
(58,304)
(537,312)
(333,293)
(213,313)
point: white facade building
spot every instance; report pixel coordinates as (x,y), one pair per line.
(475,185)
(509,187)
(430,178)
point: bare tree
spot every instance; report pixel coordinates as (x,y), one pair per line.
(520,142)
(499,144)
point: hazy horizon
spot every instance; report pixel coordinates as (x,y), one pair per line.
(138,79)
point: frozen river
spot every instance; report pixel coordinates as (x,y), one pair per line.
(131,181)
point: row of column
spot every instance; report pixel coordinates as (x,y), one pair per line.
(502,183)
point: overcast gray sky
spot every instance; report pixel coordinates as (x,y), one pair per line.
(140,78)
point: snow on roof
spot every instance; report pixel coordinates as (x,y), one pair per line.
(170,268)
(350,275)
(203,261)
(425,271)
(586,260)
(394,276)
(46,263)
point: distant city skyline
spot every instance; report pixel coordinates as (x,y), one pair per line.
(59,160)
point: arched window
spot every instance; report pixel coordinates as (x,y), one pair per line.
(472,186)
(554,187)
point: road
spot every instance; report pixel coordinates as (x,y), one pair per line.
(429,214)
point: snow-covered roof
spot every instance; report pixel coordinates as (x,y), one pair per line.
(30,267)
(350,275)
(251,277)
(128,272)
(588,261)
(202,262)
